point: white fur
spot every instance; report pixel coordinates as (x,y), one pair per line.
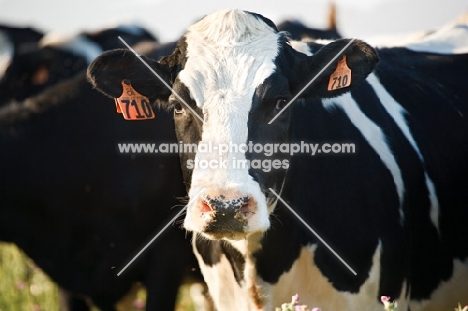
(449,39)
(398,112)
(131,29)
(224,290)
(6,53)
(229,54)
(301,46)
(226,293)
(76,44)
(395,40)
(374,136)
(315,290)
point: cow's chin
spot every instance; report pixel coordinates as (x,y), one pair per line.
(235,230)
(225,235)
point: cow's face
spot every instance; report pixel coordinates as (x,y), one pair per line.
(236,73)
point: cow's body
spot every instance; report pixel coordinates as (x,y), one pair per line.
(353,200)
(395,210)
(13,40)
(298,31)
(79,208)
(452,38)
(33,66)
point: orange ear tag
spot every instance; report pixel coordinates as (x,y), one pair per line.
(133,105)
(341,77)
(117,106)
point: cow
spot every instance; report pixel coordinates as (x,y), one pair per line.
(14,39)
(21,35)
(81,209)
(298,31)
(388,217)
(57,57)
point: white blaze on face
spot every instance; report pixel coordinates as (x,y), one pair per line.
(229,53)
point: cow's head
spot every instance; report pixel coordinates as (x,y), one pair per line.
(236,72)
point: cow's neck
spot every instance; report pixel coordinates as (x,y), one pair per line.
(248,247)
(229,269)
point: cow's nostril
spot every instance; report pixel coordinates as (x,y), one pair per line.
(244,208)
(244,212)
(205,208)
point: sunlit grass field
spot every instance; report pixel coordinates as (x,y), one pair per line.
(24,287)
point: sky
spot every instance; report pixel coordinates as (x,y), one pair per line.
(168,19)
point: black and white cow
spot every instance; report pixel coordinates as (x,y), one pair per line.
(79,208)
(17,36)
(395,210)
(56,57)
(14,39)
(298,31)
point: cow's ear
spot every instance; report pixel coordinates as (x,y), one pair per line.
(350,68)
(107,71)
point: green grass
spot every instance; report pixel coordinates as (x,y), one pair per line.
(24,287)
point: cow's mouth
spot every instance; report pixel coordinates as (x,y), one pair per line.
(228,224)
(222,217)
(225,235)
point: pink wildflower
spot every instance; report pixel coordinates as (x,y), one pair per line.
(20,285)
(295,298)
(385,299)
(388,305)
(138,304)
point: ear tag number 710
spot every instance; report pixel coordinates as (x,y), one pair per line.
(132,104)
(341,77)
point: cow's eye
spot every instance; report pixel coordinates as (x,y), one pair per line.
(178,109)
(281,103)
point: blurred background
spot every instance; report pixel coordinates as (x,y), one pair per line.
(168,19)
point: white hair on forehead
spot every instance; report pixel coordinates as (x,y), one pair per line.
(229,53)
(230,27)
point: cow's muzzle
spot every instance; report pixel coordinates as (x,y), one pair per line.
(225,215)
